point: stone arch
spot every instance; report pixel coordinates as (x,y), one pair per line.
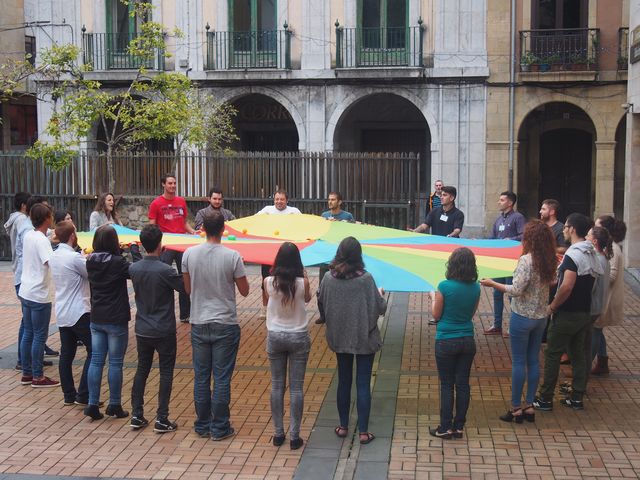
(234,94)
(353,98)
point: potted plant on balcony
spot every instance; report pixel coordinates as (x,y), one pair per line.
(555,61)
(528,61)
(579,61)
(544,64)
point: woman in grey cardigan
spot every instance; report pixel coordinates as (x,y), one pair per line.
(105,212)
(350,303)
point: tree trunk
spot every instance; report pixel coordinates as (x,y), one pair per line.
(110,176)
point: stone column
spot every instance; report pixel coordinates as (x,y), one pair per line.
(632,193)
(605,163)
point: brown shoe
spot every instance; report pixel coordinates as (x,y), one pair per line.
(493,331)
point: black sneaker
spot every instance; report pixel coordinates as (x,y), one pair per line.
(540,404)
(116,411)
(93,411)
(435,432)
(50,352)
(230,433)
(165,425)
(575,404)
(18,367)
(138,422)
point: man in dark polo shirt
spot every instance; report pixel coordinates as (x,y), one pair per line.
(571,310)
(445,220)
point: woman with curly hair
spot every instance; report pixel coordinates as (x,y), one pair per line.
(455,303)
(535,272)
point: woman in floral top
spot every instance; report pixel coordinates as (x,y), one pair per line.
(535,271)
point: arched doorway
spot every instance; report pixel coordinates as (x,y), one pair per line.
(555,159)
(384,122)
(618,169)
(264,125)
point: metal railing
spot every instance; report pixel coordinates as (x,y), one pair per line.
(255,49)
(623,48)
(110,51)
(564,49)
(379,47)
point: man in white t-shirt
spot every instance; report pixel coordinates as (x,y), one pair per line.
(279,207)
(36,294)
(211,274)
(73,308)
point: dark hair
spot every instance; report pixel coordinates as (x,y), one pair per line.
(60,215)
(281,191)
(461,266)
(553,204)
(348,260)
(581,223)
(105,239)
(33,200)
(511,196)
(101,206)
(213,224)
(337,194)
(19,199)
(64,230)
(617,228)
(286,268)
(215,190)
(538,240)
(39,214)
(451,191)
(163,178)
(150,237)
(604,240)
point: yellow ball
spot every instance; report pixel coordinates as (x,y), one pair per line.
(276,233)
(202,234)
(244,230)
(225,233)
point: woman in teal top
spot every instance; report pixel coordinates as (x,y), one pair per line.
(456,301)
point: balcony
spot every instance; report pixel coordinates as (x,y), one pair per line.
(379,47)
(623,48)
(266,49)
(110,51)
(572,49)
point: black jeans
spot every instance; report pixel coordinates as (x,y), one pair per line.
(69,337)
(166,348)
(454,357)
(364,365)
(168,257)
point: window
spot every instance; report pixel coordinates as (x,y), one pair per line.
(559,14)
(30,48)
(119,19)
(254,32)
(383,23)
(23,124)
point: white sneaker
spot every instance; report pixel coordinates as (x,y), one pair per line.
(263,314)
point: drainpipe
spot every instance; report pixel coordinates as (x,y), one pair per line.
(512,92)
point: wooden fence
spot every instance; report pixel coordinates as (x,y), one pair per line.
(384,188)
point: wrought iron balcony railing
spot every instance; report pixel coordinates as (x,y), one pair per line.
(565,49)
(110,51)
(379,47)
(623,48)
(244,50)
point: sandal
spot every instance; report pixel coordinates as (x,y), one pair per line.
(368,439)
(341,431)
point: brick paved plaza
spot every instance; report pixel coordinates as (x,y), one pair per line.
(39,436)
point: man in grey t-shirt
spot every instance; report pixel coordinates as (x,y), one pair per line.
(211,274)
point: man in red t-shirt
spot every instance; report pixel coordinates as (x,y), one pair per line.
(169,212)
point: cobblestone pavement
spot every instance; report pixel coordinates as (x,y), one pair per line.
(39,436)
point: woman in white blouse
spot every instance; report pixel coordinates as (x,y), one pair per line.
(535,271)
(285,293)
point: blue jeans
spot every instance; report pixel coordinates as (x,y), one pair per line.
(111,339)
(454,357)
(526,340)
(292,348)
(215,347)
(498,302)
(364,365)
(599,345)
(35,318)
(21,329)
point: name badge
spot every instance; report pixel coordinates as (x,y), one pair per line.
(501,228)
(443,218)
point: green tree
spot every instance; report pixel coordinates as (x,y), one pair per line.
(150,106)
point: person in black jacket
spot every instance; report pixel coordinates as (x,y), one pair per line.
(154,283)
(108,272)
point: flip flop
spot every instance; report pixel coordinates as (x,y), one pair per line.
(344,430)
(369,439)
